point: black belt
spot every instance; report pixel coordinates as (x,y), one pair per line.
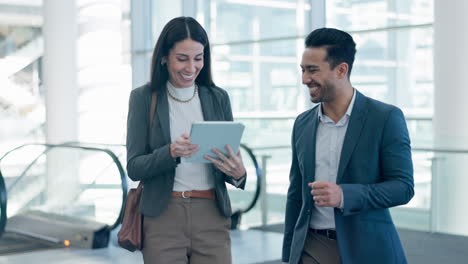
(329,233)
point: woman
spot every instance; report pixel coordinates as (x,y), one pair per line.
(186,206)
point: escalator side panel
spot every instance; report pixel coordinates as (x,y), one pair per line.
(59,228)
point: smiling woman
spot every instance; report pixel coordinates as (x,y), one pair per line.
(184,63)
(182,48)
(186,206)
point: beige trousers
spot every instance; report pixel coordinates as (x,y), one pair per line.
(190,230)
(319,249)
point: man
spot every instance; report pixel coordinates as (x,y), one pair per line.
(351,161)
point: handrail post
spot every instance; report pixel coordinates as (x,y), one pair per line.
(435,184)
(263,192)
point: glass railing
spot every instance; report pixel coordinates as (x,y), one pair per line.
(80,182)
(244,202)
(440,192)
(439,184)
(275,164)
(269,136)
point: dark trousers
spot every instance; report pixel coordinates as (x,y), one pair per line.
(319,249)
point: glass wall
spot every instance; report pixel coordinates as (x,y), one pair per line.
(103,71)
(256,53)
(257,46)
(104,82)
(394,64)
(22,111)
(394,58)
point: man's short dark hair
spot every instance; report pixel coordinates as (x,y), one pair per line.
(340,46)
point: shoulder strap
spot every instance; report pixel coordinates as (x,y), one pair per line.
(152,111)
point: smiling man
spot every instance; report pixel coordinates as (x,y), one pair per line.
(351,161)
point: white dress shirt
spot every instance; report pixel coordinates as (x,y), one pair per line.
(329,142)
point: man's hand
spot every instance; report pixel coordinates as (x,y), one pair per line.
(182,147)
(326,194)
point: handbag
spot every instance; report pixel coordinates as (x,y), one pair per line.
(130,234)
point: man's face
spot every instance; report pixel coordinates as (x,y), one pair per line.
(317,75)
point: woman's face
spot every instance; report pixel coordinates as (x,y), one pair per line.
(184,63)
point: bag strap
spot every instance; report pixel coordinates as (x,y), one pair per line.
(151,117)
(152,111)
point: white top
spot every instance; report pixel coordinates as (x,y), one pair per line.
(329,142)
(188,176)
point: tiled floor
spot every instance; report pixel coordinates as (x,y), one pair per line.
(250,246)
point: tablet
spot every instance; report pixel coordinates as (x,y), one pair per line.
(214,134)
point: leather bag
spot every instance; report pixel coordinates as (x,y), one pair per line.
(130,235)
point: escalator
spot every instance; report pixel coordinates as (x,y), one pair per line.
(242,201)
(56,196)
(72,195)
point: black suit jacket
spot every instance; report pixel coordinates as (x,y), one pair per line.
(157,168)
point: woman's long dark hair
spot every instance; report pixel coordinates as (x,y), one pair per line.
(179,29)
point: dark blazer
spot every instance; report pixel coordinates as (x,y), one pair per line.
(375,172)
(157,168)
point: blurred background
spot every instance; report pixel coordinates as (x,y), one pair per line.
(67,69)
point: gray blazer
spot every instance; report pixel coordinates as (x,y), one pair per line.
(156,166)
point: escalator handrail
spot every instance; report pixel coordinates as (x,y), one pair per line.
(26,169)
(3,204)
(252,156)
(107,151)
(258,172)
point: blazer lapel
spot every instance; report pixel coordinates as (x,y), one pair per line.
(162,110)
(309,144)
(356,122)
(206,102)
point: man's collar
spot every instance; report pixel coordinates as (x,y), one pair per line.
(348,111)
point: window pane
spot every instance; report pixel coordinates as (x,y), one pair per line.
(261,81)
(394,64)
(257,46)
(244,20)
(368,14)
(385,67)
